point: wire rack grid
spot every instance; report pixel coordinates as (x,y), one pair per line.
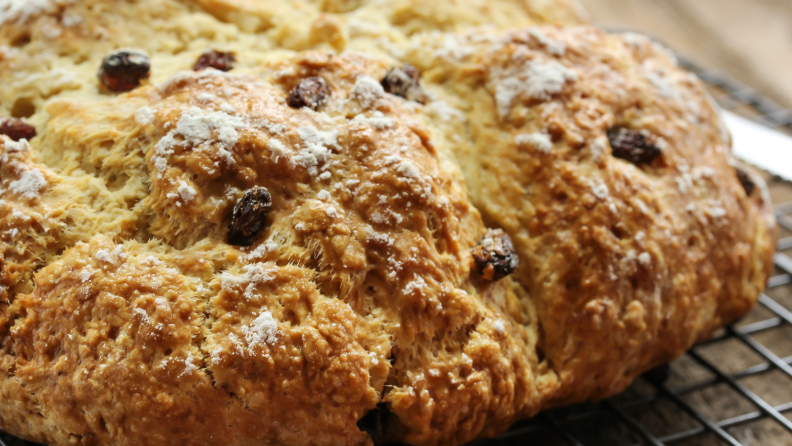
(740,377)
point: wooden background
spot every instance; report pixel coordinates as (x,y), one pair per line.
(749,39)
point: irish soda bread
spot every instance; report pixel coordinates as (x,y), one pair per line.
(345,222)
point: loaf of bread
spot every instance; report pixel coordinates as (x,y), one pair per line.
(349,222)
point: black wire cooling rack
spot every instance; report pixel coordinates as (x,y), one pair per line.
(732,389)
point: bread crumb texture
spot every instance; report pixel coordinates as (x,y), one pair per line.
(126,317)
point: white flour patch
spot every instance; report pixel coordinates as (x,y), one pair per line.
(215,356)
(715,210)
(143,315)
(444,112)
(599,189)
(554,47)
(206,97)
(315,150)
(277,148)
(186,192)
(262,250)
(452,46)
(366,91)
(22,10)
(418,284)
(263,330)
(598,148)
(409,171)
(71,18)
(144,116)
(160,164)
(189,367)
(19,215)
(29,183)
(635,40)
(85,275)
(664,84)
(255,274)
(539,141)
(536,80)
(196,128)
(377,120)
(113,256)
(18,146)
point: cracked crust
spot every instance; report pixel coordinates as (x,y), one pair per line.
(59,47)
(352,267)
(128,318)
(644,259)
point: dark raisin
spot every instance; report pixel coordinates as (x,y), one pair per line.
(311,92)
(637,147)
(249,216)
(123,70)
(745,180)
(375,423)
(16,129)
(495,257)
(218,60)
(404,82)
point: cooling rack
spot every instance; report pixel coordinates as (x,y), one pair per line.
(733,389)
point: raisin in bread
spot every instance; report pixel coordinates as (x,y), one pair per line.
(52,48)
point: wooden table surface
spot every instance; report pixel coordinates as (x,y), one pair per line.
(749,39)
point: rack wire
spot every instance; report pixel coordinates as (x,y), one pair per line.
(708,396)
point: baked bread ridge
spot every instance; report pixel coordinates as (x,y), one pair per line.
(646,258)
(144,323)
(58,44)
(107,148)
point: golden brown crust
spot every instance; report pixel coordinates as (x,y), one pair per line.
(368,241)
(646,258)
(59,44)
(128,318)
